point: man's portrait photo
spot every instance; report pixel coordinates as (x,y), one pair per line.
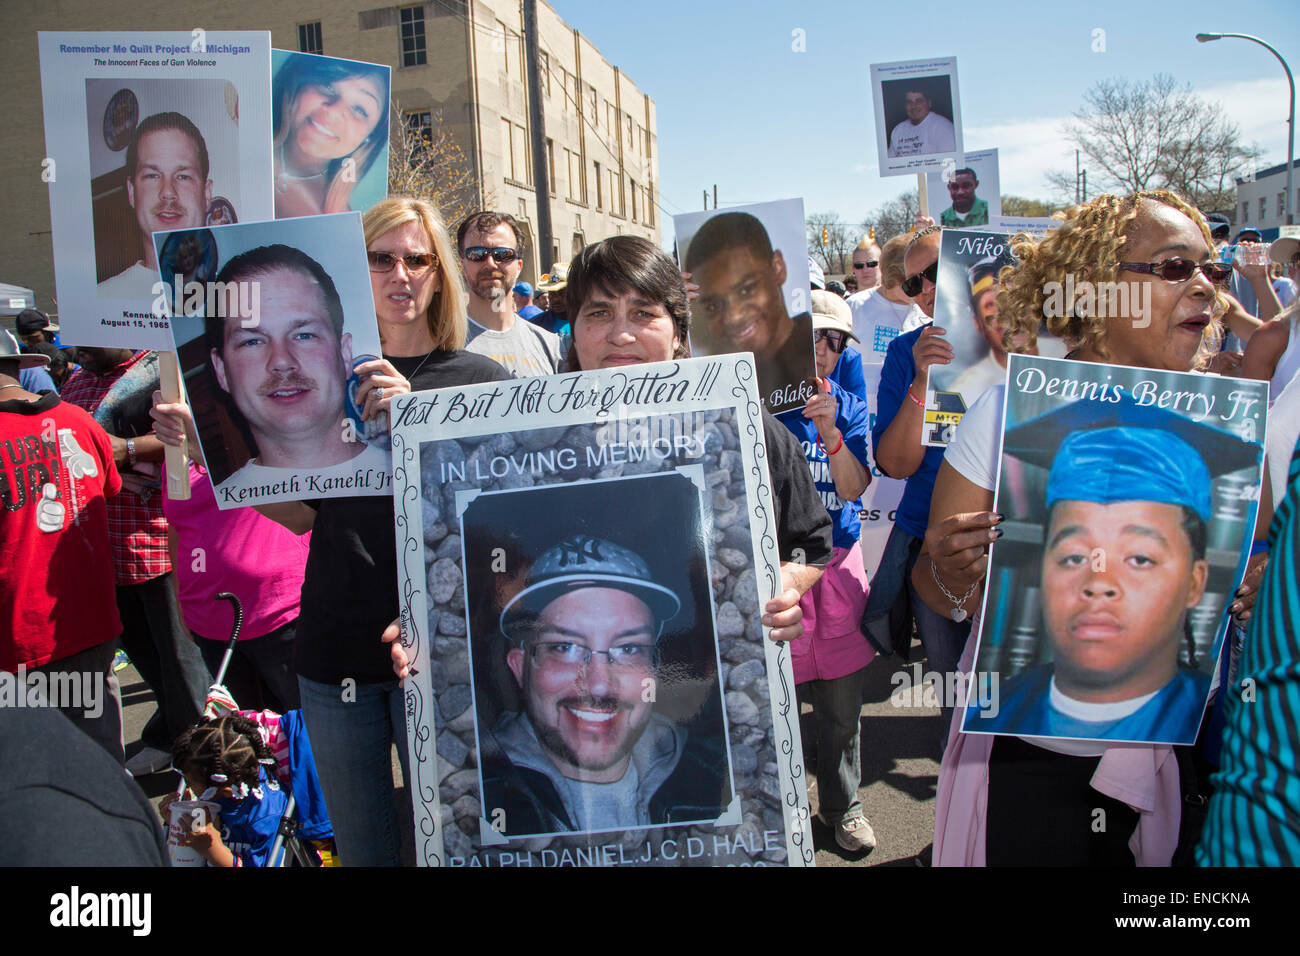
(967,209)
(752,274)
(925,126)
(268,347)
(965,194)
(1121,551)
(595,660)
(181,155)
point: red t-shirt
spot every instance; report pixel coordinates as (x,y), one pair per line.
(56,592)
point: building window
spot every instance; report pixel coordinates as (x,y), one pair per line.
(544,69)
(574,164)
(505,45)
(1245,212)
(622,193)
(1262,209)
(420,124)
(632,188)
(413,52)
(650,201)
(600,188)
(630,144)
(1281,203)
(309,39)
(550,163)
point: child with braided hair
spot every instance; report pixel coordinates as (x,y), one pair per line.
(225,760)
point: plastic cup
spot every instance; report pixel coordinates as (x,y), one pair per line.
(180,816)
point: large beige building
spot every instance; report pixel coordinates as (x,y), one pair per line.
(455,62)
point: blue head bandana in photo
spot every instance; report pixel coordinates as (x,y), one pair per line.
(1129,452)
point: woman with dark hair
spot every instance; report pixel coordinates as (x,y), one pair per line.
(330,121)
(628,305)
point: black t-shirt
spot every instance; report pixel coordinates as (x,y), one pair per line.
(349,591)
(802,522)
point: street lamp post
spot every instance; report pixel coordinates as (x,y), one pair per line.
(1290,121)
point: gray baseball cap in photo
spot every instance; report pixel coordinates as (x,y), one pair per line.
(581,561)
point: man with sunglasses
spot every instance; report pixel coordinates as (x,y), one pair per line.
(866,266)
(831,657)
(587,752)
(490,244)
(284,378)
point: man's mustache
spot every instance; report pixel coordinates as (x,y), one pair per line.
(288,381)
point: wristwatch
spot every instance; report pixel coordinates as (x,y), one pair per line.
(130,452)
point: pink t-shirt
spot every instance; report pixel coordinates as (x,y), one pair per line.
(240,551)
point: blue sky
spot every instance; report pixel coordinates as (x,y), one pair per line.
(737,106)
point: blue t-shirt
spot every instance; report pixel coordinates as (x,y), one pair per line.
(913,513)
(36,380)
(847,373)
(248,826)
(528,311)
(852,418)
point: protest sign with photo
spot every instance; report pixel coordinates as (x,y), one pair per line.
(965,306)
(330,121)
(1130,497)
(146,132)
(583,560)
(918,115)
(751,264)
(964,194)
(270,321)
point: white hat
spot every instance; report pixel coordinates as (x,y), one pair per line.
(829,311)
(1283,249)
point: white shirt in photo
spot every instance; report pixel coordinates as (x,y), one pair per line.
(934,134)
(254,483)
(133,282)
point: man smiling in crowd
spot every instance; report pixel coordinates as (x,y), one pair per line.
(167,185)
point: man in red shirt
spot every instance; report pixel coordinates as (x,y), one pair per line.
(116,386)
(58,613)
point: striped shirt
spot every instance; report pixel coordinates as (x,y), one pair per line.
(137,530)
(1254,815)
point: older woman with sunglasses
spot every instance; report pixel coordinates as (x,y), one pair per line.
(1013,801)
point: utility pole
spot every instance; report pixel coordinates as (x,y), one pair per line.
(715,195)
(537,122)
(1076,176)
(706,199)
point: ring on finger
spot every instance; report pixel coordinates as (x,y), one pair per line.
(379,394)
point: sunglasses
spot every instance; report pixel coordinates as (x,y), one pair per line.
(416,262)
(869,264)
(500,255)
(835,340)
(1180,270)
(912,285)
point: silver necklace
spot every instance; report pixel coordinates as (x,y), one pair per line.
(282,178)
(421,365)
(958,613)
